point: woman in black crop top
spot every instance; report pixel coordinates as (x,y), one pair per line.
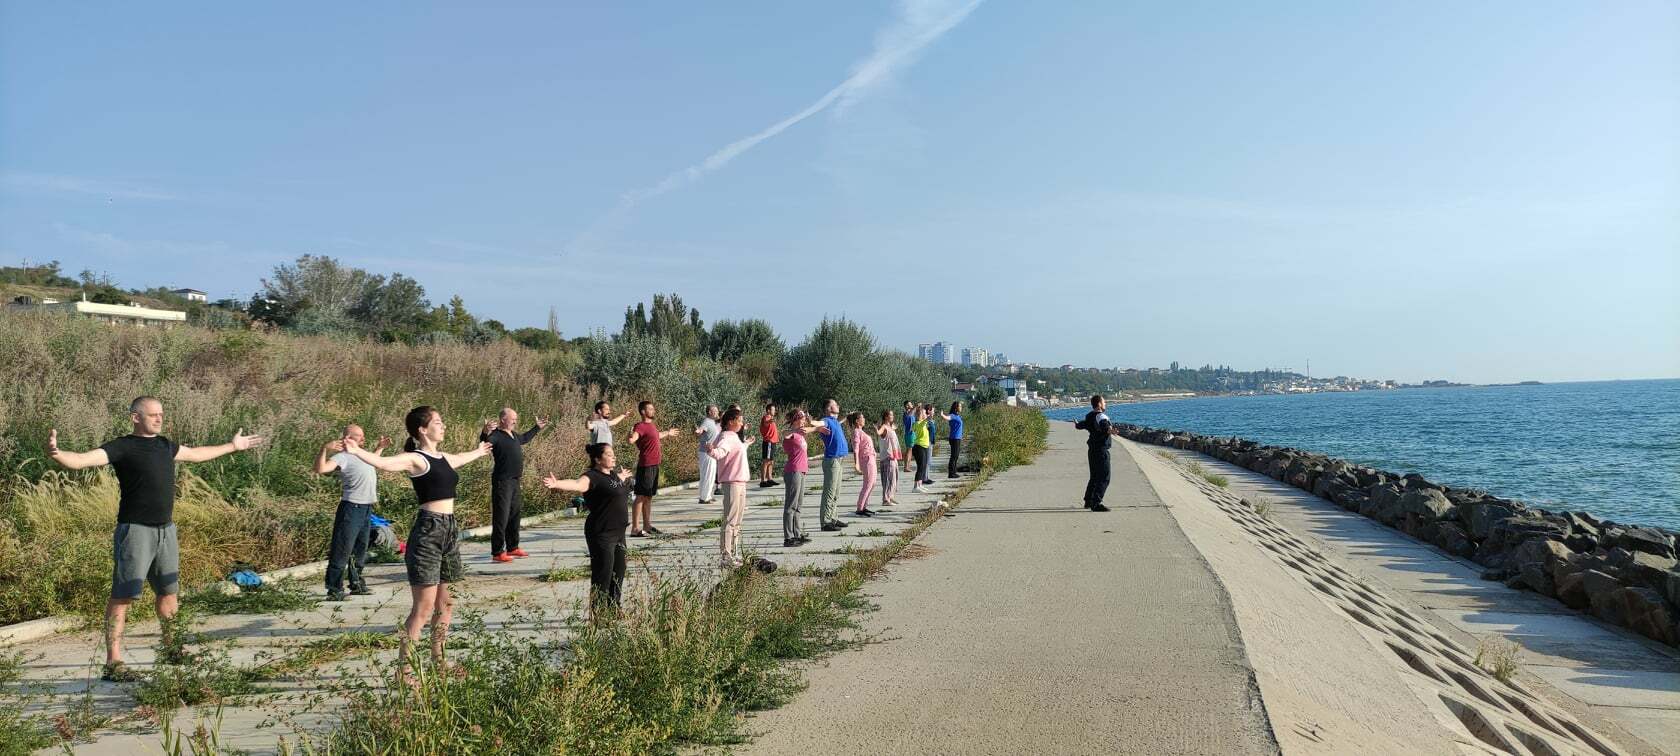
(434,551)
(606,493)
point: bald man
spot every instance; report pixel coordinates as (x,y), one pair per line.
(507,445)
(144,548)
(350,524)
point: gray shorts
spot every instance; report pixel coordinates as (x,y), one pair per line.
(434,550)
(142,554)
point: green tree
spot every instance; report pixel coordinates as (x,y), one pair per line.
(393,308)
(840,360)
(731,341)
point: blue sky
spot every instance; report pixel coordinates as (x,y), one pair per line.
(1482,192)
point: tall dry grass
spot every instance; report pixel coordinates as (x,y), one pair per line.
(266,506)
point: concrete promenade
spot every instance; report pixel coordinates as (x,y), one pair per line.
(1033,626)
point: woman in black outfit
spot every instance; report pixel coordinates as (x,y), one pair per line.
(606,494)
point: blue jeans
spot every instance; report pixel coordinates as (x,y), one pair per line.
(349,546)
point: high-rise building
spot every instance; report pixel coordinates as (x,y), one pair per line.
(942,353)
(975,356)
(1000,359)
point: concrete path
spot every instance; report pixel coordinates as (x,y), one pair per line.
(1583,686)
(62,671)
(1033,626)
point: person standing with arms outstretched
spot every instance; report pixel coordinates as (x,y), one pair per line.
(954,426)
(834,450)
(863,459)
(433,557)
(600,424)
(729,450)
(606,495)
(348,552)
(144,548)
(508,446)
(1096,453)
(921,448)
(909,432)
(933,435)
(768,432)
(706,433)
(887,451)
(793,476)
(647,437)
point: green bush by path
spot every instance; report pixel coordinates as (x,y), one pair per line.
(1002,436)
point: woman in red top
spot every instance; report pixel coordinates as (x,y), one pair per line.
(767,431)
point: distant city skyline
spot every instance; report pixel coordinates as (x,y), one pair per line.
(1474,192)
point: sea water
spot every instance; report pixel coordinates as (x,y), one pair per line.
(1609,448)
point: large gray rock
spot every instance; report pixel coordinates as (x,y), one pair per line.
(1648,540)
(1428,503)
(1600,587)
(1649,570)
(1642,610)
(1452,539)
(1479,516)
(1672,581)
(1535,560)
(1572,590)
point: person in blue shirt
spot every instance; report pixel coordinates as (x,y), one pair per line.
(954,430)
(835,450)
(1096,453)
(909,432)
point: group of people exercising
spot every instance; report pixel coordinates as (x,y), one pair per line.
(145,548)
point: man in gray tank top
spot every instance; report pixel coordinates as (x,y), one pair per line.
(350,524)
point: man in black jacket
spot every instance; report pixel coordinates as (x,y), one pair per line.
(1096,452)
(507,447)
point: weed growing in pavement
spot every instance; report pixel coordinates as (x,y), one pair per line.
(263,599)
(1196,468)
(321,651)
(1218,480)
(383,555)
(871,533)
(1164,454)
(1499,657)
(1262,507)
(564,574)
(709,524)
(185,676)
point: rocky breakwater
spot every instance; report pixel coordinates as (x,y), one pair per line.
(1624,574)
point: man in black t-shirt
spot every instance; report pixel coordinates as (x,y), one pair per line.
(144,548)
(507,446)
(1096,451)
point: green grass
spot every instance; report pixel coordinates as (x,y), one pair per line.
(321,651)
(1262,507)
(263,599)
(191,669)
(1499,657)
(709,524)
(564,574)
(1218,480)
(871,533)
(383,555)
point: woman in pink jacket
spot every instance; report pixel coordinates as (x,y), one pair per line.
(887,453)
(863,459)
(730,451)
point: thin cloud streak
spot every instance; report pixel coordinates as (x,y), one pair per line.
(919,24)
(46,183)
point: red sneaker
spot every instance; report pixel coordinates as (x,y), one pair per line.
(501,558)
(519,553)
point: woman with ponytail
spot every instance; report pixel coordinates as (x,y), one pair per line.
(434,551)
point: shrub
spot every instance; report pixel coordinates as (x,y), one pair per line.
(1003,436)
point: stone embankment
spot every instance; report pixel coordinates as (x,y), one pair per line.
(1623,574)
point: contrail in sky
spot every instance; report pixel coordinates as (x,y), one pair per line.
(919,24)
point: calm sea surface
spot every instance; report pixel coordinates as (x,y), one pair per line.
(1609,448)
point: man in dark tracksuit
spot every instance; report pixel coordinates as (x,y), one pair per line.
(1096,452)
(506,447)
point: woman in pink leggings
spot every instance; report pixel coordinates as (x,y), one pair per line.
(863,460)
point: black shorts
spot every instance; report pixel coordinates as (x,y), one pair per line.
(647,481)
(769,450)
